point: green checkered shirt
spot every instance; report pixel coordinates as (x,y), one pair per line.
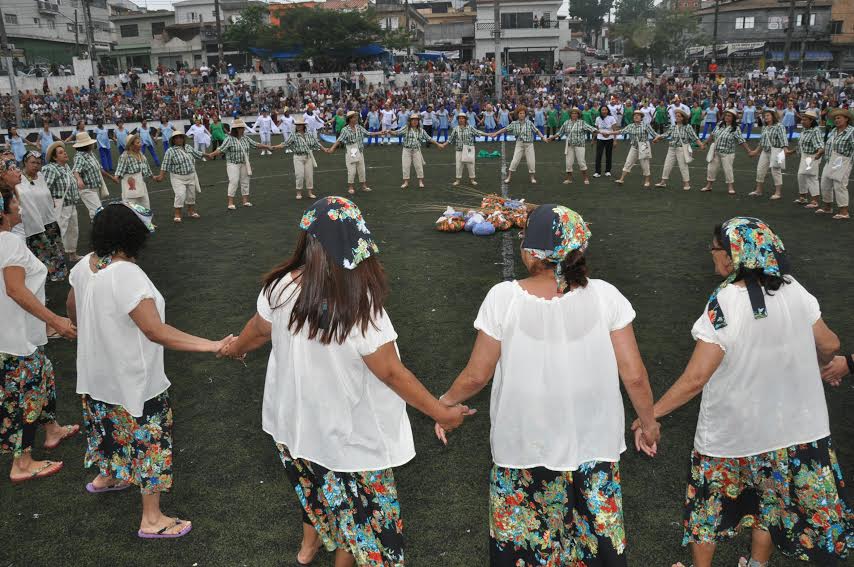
(412,137)
(638,133)
(811,141)
(464,136)
(301,143)
(355,135)
(180,160)
(773,137)
(236,150)
(842,144)
(89,169)
(129,164)
(727,138)
(574,131)
(62,183)
(681,134)
(524,131)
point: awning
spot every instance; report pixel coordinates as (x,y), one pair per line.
(796,55)
(751,49)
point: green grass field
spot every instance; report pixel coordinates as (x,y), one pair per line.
(652,244)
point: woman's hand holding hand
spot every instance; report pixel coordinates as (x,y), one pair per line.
(835,371)
(453,418)
(221,347)
(647,437)
(65,327)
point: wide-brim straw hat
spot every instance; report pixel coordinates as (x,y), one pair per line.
(178,133)
(130,140)
(683,112)
(810,114)
(462,115)
(847,113)
(575,109)
(299,121)
(732,111)
(83,139)
(351,114)
(637,112)
(52,148)
(238,123)
(414,116)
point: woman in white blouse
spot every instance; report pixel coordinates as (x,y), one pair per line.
(336,391)
(763,457)
(557,344)
(120,372)
(27,384)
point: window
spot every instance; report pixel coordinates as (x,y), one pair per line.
(800,20)
(51,24)
(836,26)
(518,20)
(70,27)
(129,30)
(11,18)
(213,14)
(157,28)
(777,22)
(745,23)
(37,22)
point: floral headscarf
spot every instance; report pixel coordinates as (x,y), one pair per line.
(553,232)
(338,225)
(143,214)
(8,164)
(752,246)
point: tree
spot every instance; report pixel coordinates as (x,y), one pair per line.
(633,12)
(592,15)
(656,34)
(250,30)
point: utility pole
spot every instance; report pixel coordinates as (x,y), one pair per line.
(408,30)
(10,67)
(76,35)
(790,27)
(715,31)
(496,17)
(90,38)
(806,23)
(218,38)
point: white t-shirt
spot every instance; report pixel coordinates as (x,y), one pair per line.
(323,402)
(556,399)
(36,205)
(767,393)
(116,363)
(388,117)
(606,123)
(20,333)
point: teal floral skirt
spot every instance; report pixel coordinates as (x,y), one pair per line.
(557,518)
(28,399)
(131,449)
(357,512)
(797,494)
(47,247)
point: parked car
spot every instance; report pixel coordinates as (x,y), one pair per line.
(601,54)
(590,51)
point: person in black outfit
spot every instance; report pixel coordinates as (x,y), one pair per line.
(606,146)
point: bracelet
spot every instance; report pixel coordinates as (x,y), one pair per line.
(850,360)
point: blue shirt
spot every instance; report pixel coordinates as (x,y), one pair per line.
(749,115)
(788,118)
(166,130)
(504,118)
(712,114)
(539,118)
(442,115)
(122,136)
(18,147)
(373,120)
(145,136)
(103,137)
(46,139)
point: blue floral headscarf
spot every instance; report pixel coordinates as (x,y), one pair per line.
(146,216)
(553,232)
(338,225)
(752,245)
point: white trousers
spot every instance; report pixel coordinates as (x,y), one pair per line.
(526,149)
(265,135)
(354,169)
(66,218)
(632,158)
(412,158)
(304,170)
(831,189)
(676,155)
(199,146)
(237,175)
(765,164)
(459,166)
(575,154)
(92,199)
(721,160)
(185,188)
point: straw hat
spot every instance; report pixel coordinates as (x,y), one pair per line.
(683,112)
(83,140)
(351,114)
(130,140)
(238,123)
(414,116)
(179,133)
(299,121)
(52,148)
(575,110)
(463,115)
(810,114)
(843,112)
(637,112)
(732,111)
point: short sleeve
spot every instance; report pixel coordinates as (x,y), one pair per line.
(378,333)
(619,309)
(263,307)
(490,316)
(130,287)
(15,252)
(703,330)
(811,306)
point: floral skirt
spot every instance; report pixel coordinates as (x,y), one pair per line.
(48,248)
(357,512)
(28,399)
(132,449)
(557,518)
(797,494)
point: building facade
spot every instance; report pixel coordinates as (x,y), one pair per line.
(842,33)
(448,28)
(138,37)
(530,31)
(396,14)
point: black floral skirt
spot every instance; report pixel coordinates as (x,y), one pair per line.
(131,449)
(797,494)
(557,519)
(28,399)
(357,511)
(47,247)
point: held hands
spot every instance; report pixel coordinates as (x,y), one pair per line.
(647,437)
(66,328)
(835,371)
(453,416)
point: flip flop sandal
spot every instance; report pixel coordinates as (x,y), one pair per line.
(661,184)
(366,189)
(351,191)
(161,535)
(299,196)
(195,216)
(48,470)
(841,217)
(68,431)
(618,182)
(176,220)
(754,194)
(800,201)
(688,188)
(820,211)
(92,489)
(232,208)
(311,195)
(473,182)
(811,206)
(775,197)
(247,204)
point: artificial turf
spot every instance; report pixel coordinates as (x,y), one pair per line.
(651,244)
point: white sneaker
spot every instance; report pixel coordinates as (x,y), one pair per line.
(607,174)
(596,175)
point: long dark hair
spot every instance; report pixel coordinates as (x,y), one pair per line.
(332,300)
(768,283)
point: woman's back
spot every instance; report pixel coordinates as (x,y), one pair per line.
(556,397)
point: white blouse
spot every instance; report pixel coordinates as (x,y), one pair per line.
(606,123)
(116,363)
(322,401)
(20,333)
(556,399)
(36,205)
(767,393)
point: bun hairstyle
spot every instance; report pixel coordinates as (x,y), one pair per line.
(575,270)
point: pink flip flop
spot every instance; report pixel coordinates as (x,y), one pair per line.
(160,535)
(92,489)
(69,431)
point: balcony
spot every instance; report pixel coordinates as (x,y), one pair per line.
(486,31)
(47,7)
(535,25)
